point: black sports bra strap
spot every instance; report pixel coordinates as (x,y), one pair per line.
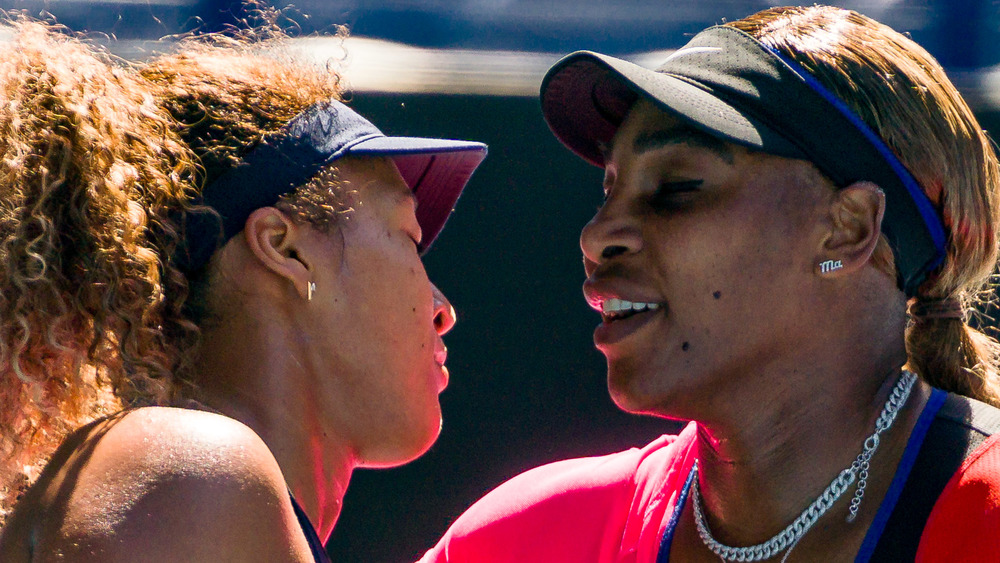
(315,545)
(959,428)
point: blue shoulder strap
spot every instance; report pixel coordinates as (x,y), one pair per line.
(961,425)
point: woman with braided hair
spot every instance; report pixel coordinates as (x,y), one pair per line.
(220,262)
(799,211)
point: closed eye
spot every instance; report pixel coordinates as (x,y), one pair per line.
(670,195)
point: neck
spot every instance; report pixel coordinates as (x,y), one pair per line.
(248,370)
(759,470)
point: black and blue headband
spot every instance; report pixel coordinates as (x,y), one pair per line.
(730,85)
(435,169)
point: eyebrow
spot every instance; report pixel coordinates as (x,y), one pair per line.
(650,140)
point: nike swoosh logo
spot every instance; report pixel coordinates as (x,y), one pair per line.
(691,51)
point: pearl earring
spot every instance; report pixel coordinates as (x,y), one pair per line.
(310,289)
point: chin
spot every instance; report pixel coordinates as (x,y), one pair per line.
(423,441)
(407,443)
(628,401)
(625,396)
(636,392)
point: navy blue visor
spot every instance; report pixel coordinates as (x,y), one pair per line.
(436,170)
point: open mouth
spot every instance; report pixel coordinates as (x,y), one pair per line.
(617,309)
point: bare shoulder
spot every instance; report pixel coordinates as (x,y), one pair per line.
(164,484)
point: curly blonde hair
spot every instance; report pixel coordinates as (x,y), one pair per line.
(89,167)
(903,94)
(100,162)
(227,93)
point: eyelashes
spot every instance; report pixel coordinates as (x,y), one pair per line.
(668,195)
(672,195)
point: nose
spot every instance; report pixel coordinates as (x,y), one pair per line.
(612,232)
(444,313)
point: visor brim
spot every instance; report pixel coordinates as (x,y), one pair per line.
(437,171)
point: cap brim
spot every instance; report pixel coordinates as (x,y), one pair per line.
(437,171)
(586,95)
(730,85)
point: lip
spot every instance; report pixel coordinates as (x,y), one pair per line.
(443,379)
(609,333)
(598,291)
(440,356)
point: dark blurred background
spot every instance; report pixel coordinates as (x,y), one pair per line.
(527,386)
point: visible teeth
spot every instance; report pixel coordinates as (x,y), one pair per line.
(616,306)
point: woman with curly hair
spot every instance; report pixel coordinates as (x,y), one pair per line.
(222,259)
(799,211)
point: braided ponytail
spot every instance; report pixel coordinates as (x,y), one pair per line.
(952,355)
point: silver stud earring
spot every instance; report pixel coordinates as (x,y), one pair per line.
(310,289)
(830,266)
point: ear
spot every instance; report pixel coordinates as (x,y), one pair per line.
(274,241)
(856,224)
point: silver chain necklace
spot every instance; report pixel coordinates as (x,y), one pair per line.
(858,471)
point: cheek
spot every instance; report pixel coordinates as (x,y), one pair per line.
(727,249)
(394,292)
(737,261)
(765,237)
(413,300)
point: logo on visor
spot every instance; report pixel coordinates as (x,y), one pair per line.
(685,51)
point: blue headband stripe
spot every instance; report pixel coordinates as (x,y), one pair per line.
(923,203)
(728,84)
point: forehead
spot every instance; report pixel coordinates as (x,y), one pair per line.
(374,176)
(647,127)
